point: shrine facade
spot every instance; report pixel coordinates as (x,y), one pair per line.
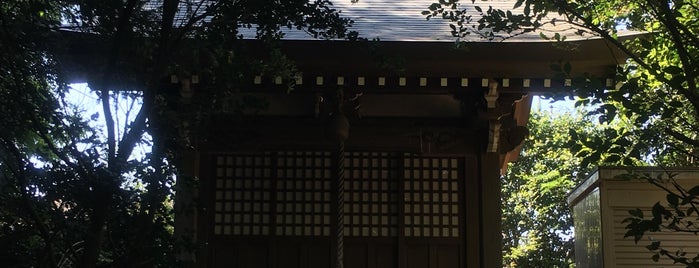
(361,167)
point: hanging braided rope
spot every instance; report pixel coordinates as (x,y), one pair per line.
(339,127)
(340,203)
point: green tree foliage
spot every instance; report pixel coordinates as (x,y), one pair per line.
(537,223)
(657,98)
(76,196)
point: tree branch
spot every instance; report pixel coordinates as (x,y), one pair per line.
(682,137)
(109,121)
(138,126)
(136,130)
(196,18)
(691,95)
(685,57)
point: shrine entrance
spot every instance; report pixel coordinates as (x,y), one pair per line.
(275,209)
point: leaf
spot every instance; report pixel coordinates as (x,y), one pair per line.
(636,213)
(694,191)
(478,9)
(613,159)
(567,68)
(673,70)
(673,200)
(658,210)
(573,134)
(675,103)
(655,245)
(677,80)
(518,4)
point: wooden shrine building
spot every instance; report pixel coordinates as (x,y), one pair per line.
(401,170)
(376,166)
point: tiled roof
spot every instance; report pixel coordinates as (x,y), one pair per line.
(402,20)
(397,20)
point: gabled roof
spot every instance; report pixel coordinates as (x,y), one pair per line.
(401,20)
(422,47)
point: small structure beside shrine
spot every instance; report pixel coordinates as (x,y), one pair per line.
(602,202)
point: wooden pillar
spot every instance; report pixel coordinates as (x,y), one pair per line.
(471,211)
(491,213)
(502,134)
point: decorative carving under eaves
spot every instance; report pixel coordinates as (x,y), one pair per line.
(346,101)
(503,133)
(511,135)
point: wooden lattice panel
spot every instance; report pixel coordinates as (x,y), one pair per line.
(370,194)
(303,195)
(242,200)
(290,194)
(431,198)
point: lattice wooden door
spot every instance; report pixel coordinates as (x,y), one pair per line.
(277,206)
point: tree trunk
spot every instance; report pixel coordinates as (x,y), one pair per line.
(93,240)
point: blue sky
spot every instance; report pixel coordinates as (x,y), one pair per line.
(81,96)
(558,107)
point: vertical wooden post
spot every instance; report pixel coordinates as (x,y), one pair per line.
(491,214)
(470,189)
(184,209)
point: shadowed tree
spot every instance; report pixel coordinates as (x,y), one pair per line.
(75,195)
